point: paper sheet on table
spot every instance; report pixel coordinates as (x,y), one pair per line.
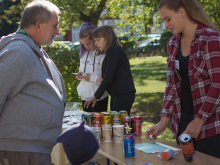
(153,147)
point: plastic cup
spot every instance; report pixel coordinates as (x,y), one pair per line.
(118,133)
(75,105)
(97,131)
(107,132)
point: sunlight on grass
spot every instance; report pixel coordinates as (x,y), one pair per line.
(150,80)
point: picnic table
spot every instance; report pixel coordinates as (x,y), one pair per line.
(114,153)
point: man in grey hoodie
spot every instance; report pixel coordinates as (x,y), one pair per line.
(32,93)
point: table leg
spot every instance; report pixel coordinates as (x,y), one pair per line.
(60,154)
(107,161)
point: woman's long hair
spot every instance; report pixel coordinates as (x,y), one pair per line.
(108,34)
(193,9)
(85,31)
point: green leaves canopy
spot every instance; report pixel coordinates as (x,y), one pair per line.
(139,14)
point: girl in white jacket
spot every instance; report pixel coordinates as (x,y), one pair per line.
(90,69)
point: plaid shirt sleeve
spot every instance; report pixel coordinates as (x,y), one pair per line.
(168,100)
(212,59)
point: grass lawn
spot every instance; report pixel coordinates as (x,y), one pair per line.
(149,76)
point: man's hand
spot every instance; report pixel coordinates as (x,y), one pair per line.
(92,100)
(100,79)
(194,127)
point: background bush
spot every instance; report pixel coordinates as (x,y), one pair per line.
(165,36)
(128,45)
(67,61)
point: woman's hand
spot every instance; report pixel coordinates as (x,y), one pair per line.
(92,100)
(194,127)
(100,79)
(158,128)
(87,77)
(79,75)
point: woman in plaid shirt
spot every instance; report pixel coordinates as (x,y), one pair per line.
(192,92)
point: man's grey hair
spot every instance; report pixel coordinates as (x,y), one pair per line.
(37,10)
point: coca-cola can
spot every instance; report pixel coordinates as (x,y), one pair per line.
(137,125)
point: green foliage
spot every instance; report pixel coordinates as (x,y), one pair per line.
(137,14)
(212,9)
(8,21)
(165,36)
(67,61)
(73,12)
(128,45)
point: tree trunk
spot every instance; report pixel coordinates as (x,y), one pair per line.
(94,15)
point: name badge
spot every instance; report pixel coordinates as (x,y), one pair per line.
(177,65)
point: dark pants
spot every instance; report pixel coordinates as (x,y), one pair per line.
(122,102)
(24,158)
(209,146)
(100,106)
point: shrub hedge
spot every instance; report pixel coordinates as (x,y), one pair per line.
(67,61)
(165,36)
(128,46)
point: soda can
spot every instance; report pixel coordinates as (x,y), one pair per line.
(96,122)
(132,124)
(111,113)
(127,122)
(187,147)
(106,118)
(122,115)
(128,137)
(88,119)
(116,119)
(129,146)
(95,113)
(137,125)
(101,113)
(101,134)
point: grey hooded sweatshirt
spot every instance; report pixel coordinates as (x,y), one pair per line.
(31,110)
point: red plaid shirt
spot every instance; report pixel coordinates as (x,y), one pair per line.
(204,77)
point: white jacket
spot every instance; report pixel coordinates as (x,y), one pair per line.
(86,89)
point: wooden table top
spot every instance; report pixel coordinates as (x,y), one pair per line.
(114,151)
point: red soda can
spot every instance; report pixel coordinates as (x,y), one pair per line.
(96,122)
(187,147)
(137,125)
